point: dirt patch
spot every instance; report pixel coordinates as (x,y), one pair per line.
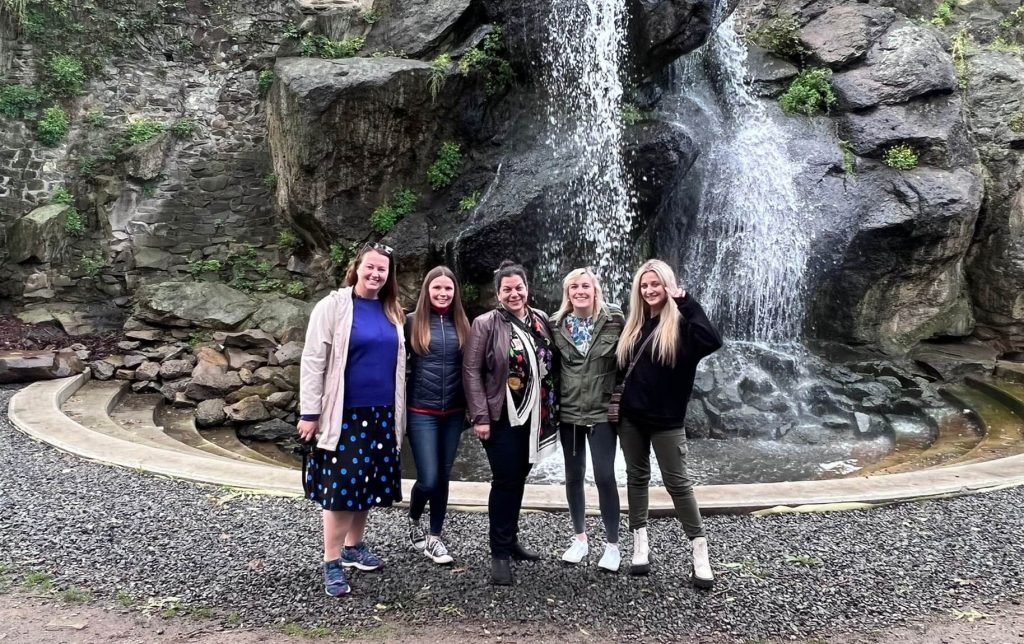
(17,335)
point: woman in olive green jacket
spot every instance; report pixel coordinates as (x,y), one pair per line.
(586,331)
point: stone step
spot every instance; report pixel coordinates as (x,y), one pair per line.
(226,438)
(1010,394)
(180,424)
(275,452)
(1003,429)
(957,436)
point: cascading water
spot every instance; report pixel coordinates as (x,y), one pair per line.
(747,249)
(585,129)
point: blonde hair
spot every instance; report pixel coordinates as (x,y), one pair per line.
(566,307)
(666,334)
(421,317)
(389,294)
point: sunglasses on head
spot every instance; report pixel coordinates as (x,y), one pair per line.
(380,248)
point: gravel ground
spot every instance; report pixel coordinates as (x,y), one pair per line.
(116,531)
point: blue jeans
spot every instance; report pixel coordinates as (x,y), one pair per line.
(434,441)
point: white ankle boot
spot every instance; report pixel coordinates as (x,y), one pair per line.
(702,575)
(641,563)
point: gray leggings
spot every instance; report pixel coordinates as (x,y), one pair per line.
(670,448)
(602,446)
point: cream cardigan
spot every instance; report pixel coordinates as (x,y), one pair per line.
(322,374)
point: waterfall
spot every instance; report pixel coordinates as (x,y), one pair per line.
(746,251)
(592,224)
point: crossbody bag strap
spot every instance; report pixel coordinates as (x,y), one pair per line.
(636,358)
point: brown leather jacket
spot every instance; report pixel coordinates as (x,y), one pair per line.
(485,365)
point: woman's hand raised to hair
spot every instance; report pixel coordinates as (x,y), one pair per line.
(676,292)
(308,429)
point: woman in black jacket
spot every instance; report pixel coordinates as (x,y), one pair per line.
(666,335)
(435,333)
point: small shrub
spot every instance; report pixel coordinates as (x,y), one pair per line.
(204,266)
(900,157)
(1016,122)
(339,254)
(73,222)
(264,80)
(53,126)
(295,289)
(438,72)
(141,130)
(631,114)
(87,166)
(943,13)
(810,93)
(1013,20)
(780,36)
(196,339)
(288,240)
(324,47)
(270,181)
(76,596)
(469,202)
(92,265)
(445,167)
(371,17)
(291,32)
(488,59)
(405,203)
(960,63)
(183,128)
(849,160)
(61,195)
(472,60)
(19,101)
(383,219)
(66,75)
(95,118)
(39,581)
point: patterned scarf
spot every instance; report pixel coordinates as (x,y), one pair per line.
(519,373)
(581,330)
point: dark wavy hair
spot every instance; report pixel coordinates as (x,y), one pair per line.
(508,268)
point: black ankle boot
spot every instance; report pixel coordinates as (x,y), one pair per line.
(501,572)
(519,553)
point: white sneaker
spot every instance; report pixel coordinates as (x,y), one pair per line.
(702,575)
(436,551)
(641,563)
(611,558)
(576,552)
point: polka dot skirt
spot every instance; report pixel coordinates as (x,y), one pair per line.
(364,470)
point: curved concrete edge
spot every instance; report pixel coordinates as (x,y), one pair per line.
(35,410)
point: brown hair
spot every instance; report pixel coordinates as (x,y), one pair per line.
(508,268)
(421,316)
(389,292)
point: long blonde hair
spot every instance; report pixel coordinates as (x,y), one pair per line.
(421,317)
(666,334)
(389,292)
(566,307)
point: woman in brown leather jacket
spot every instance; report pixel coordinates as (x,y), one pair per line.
(509,376)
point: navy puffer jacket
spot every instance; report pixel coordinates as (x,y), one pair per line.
(434,380)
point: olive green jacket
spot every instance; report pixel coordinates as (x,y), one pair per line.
(587,381)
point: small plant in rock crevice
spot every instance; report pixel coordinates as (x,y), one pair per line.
(780,36)
(141,130)
(184,128)
(943,13)
(469,202)
(288,240)
(1016,122)
(446,166)
(632,115)
(488,58)
(53,126)
(92,265)
(264,80)
(438,72)
(849,159)
(295,289)
(900,157)
(316,46)
(371,17)
(19,101)
(95,118)
(201,266)
(385,216)
(270,181)
(960,63)
(810,93)
(65,75)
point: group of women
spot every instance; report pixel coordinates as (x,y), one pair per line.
(372,376)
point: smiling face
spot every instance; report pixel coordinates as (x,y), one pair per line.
(372,274)
(442,291)
(653,291)
(512,295)
(581,295)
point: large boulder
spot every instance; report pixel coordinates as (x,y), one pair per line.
(39,235)
(660,31)
(285,317)
(204,304)
(415,27)
(28,366)
(844,33)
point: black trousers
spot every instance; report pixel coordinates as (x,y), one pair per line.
(508,452)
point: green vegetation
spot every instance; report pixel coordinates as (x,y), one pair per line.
(324,47)
(61,195)
(270,181)
(488,59)
(780,36)
(124,599)
(1016,122)
(469,202)
(204,266)
(810,93)
(73,222)
(87,166)
(141,130)
(960,63)
(446,166)
(288,240)
(900,157)
(849,160)
(92,265)
(183,128)
(95,118)
(198,338)
(75,595)
(38,581)
(371,17)
(1000,44)
(384,218)
(308,632)
(53,127)
(19,101)
(631,114)
(233,619)
(264,80)
(389,53)
(943,13)
(807,561)
(1014,20)
(438,72)
(470,292)
(201,612)
(65,75)
(295,289)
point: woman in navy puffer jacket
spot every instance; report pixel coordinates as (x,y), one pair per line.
(435,333)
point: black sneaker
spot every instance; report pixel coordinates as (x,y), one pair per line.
(417,537)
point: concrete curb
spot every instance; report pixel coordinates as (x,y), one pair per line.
(36,411)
